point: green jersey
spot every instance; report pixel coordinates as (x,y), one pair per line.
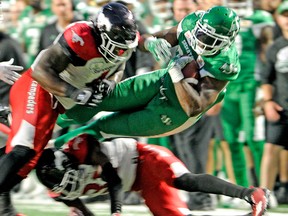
(223,66)
(246,42)
(31,26)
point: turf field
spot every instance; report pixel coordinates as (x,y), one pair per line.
(51,208)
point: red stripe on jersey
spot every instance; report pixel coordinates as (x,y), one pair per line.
(79,37)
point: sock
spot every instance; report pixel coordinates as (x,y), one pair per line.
(210,184)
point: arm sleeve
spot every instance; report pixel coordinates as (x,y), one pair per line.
(110,175)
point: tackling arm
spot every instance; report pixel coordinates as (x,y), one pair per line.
(48,65)
(159,44)
(169,35)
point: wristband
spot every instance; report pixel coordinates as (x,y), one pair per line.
(147,40)
(176,74)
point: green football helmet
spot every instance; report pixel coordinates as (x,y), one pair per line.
(215,30)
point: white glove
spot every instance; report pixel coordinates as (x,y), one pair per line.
(176,66)
(159,47)
(7,71)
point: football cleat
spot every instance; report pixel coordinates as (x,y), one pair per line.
(258,201)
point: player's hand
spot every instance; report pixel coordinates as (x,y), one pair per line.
(116,214)
(104,86)
(181,62)
(87,97)
(176,65)
(7,71)
(159,47)
(93,96)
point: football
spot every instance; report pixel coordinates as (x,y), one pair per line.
(191,70)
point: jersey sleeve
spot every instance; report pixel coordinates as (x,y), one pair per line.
(224,66)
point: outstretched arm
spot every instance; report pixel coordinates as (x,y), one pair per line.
(170,35)
(159,44)
(8,72)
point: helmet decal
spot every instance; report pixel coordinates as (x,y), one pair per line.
(118,32)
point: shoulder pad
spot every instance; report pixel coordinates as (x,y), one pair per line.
(80,38)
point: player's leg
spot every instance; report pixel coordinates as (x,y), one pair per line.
(131,93)
(161,115)
(151,178)
(231,121)
(33,120)
(247,103)
(276,139)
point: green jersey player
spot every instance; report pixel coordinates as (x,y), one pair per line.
(163,102)
(237,111)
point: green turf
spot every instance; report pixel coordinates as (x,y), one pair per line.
(102,209)
(55,209)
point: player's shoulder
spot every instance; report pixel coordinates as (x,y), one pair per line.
(79,40)
(225,65)
(78,32)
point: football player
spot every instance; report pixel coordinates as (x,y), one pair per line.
(168,101)
(255,36)
(81,67)
(87,167)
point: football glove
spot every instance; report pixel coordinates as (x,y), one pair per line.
(116,214)
(93,96)
(159,47)
(7,71)
(175,67)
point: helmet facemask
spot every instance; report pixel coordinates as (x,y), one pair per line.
(71,186)
(215,30)
(115,52)
(206,41)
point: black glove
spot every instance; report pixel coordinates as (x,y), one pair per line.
(94,93)
(103,86)
(4,113)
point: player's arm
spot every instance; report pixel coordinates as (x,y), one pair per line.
(196,99)
(159,43)
(47,67)
(170,35)
(109,174)
(195,93)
